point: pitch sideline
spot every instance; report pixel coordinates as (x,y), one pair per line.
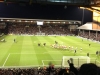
(6,60)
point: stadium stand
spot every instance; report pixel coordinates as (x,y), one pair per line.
(23,28)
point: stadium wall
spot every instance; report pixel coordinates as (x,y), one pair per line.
(96,19)
(95,26)
(54,12)
(96,15)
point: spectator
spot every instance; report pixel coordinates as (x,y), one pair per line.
(89,69)
(72,68)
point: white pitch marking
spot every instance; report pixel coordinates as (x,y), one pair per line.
(51,60)
(6,60)
(28,66)
(26,53)
(42,62)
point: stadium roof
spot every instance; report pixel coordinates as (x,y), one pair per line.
(89,26)
(35,20)
(57,2)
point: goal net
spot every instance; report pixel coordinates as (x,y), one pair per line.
(77,60)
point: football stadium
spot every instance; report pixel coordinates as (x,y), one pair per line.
(49,37)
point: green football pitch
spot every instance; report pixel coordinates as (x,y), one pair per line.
(26,52)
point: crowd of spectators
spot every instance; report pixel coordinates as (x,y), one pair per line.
(33,29)
(49,29)
(85,69)
(21,28)
(89,34)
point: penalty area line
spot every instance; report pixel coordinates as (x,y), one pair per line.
(6,60)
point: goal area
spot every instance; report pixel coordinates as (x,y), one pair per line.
(77,60)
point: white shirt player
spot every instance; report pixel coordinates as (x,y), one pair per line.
(81,49)
(69,47)
(72,47)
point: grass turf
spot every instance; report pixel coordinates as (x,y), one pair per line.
(26,52)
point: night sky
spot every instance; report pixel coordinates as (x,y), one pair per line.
(37,11)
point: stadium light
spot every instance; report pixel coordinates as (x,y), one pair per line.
(7,20)
(98,8)
(64,22)
(1,19)
(13,20)
(58,22)
(19,20)
(53,22)
(48,22)
(69,22)
(89,9)
(81,7)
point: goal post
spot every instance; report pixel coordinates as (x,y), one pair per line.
(77,60)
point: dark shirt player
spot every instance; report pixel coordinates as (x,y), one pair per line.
(14,40)
(44,44)
(39,44)
(56,42)
(89,45)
